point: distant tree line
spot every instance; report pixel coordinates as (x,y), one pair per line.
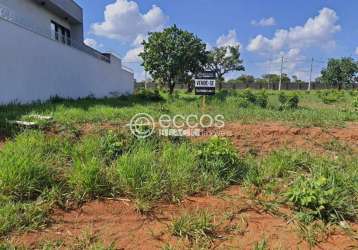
(174,56)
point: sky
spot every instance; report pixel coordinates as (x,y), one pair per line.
(267,31)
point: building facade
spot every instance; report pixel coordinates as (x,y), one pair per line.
(42,55)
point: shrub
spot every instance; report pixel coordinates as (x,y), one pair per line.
(290,101)
(25,166)
(293,101)
(150,95)
(262,99)
(355,103)
(331,96)
(219,158)
(222,95)
(248,95)
(242,102)
(353,93)
(324,197)
(282,98)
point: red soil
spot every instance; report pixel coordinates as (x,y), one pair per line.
(118,223)
(265,137)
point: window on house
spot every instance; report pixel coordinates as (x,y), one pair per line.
(60,33)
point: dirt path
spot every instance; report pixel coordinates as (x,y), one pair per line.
(240,225)
(265,137)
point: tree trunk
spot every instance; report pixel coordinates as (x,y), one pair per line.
(171,88)
(220,85)
(190,87)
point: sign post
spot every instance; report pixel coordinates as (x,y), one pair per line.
(205,83)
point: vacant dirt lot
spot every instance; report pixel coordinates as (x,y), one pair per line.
(240,225)
(240,222)
(266,137)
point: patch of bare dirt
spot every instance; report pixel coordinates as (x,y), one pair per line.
(240,225)
(266,137)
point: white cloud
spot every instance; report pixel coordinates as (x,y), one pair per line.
(228,40)
(264,22)
(124,21)
(93,43)
(208,46)
(317,31)
(132,55)
(139,40)
(356,51)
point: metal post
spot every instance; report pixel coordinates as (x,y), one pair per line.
(145,80)
(269,73)
(310,82)
(279,85)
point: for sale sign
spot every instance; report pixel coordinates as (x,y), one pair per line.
(205,83)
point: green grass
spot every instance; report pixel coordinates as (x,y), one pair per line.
(138,174)
(168,171)
(261,245)
(58,170)
(245,106)
(317,187)
(198,227)
(26,166)
(57,164)
(21,216)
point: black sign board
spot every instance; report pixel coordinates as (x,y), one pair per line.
(205,83)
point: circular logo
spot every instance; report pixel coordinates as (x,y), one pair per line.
(142,125)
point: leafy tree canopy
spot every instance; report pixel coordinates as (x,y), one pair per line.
(172,55)
(340,72)
(224,60)
(274,78)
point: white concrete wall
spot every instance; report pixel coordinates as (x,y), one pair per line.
(33,67)
(31,14)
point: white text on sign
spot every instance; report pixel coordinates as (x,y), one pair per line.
(205,83)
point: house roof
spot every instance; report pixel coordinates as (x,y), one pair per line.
(67,9)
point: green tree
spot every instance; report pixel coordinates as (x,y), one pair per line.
(224,60)
(246,80)
(172,55)
(262,82)
(298,81)
(272,79)
(340,72)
